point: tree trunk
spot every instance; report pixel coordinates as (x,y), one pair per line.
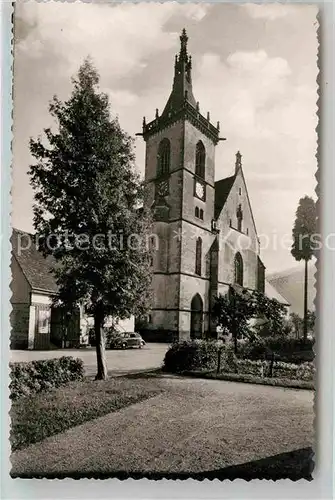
(100,345)
(305,301)
(235,337)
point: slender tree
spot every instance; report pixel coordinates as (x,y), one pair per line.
(85,212)
(304,245)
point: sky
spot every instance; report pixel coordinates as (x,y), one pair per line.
(254,69)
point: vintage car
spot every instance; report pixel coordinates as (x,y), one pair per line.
(124,340)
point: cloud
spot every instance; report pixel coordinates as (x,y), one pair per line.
(270,119)
(252,81)
(122,98)
(265,97)
(74,26)
(198,11)
(269,11)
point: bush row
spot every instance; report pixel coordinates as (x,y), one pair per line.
(193,355)
(304,371)
(36,376)
(285,349)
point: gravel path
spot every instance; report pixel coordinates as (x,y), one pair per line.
(196,425)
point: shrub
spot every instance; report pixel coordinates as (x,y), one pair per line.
(304,371)
(286,349)
(255,349)
(43,375)
(270,329)
(191,355)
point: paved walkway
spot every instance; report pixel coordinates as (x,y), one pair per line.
(119,362)
(196,425)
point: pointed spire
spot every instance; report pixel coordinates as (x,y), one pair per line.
(182,83)
(181,102)
(183,46)
(238,162)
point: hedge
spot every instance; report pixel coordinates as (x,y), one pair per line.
(198,355)
(43,375)
(191,355)
(285,348)
(304,371)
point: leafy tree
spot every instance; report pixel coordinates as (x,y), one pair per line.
(304,244)
(234,311)
(297,323)
(85,212)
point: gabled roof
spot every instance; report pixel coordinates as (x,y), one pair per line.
(222,190)
(35,267)
(272,293)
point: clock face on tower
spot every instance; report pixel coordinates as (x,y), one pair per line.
(200,190)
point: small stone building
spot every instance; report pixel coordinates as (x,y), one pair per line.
(35,324)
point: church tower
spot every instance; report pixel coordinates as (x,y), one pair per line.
(179,174)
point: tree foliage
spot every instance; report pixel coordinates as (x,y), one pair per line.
(304,230)
(234,311)
(298,322)
(86,198)
(305,243)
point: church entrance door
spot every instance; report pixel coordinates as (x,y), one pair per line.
(196,317)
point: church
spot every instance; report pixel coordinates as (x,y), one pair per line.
(205,237)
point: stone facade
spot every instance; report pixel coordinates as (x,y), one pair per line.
(200,224)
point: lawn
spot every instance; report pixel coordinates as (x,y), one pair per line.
(193,426)
(36,417)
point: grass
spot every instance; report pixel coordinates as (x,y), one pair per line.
(38,416)
(193,429)
(252,379)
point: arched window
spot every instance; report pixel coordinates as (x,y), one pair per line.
(201,214)
(238,269)
(196,317)
(163,157)
(198,256)
(200,160)
(197,212)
